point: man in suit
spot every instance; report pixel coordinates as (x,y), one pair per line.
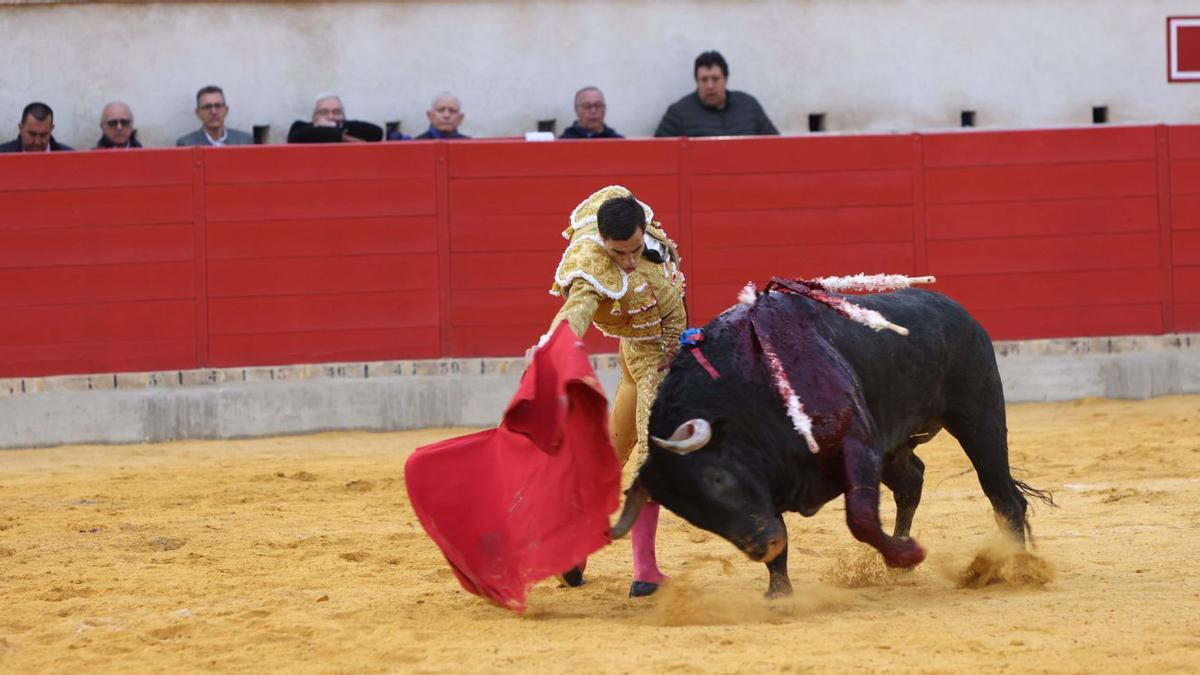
(34,131)
(211,111)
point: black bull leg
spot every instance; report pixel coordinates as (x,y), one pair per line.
(904,475)
(863,474)
(779,585)
(984,439)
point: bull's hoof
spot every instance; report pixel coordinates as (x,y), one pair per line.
(572,577)
(640,589)
(779,590)
(905,553)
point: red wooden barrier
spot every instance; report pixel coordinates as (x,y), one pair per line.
(1185,225)
(166,259)
(1047,233)
(811,206)
(321,254)
(97,263)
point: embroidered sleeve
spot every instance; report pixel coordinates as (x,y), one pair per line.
(674,321)
(579,307)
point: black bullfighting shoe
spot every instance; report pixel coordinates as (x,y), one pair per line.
(640,589)
(572,577)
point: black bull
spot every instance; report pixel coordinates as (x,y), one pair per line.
(872,397)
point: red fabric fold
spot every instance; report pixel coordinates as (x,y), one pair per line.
(528,500)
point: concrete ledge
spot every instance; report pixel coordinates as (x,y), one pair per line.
(244,402)
(395,395)
(1130,367)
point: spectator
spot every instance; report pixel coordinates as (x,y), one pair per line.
(116,128)
(329,125)
(589,116)
(211,111)
(712,110)
(34,131)
(444,117)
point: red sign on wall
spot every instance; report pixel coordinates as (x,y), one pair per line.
(1183,49)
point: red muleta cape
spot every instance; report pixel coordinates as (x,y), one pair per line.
(514,505)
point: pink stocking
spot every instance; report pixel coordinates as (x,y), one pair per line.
(645,566)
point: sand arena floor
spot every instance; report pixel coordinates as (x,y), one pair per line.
(301,554)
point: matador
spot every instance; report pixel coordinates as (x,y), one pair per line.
(621,273)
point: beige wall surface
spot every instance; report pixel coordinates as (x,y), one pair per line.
(869,65)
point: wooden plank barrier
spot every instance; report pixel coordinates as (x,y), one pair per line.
(1184,190)
(97,263)
(319,253)
(1047,233)
(186,258)
(810,206)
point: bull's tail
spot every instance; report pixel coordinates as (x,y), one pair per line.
(1043,496)
(1029,491)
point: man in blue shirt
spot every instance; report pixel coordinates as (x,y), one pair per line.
(445,114)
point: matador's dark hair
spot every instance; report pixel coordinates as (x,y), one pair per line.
(619,217)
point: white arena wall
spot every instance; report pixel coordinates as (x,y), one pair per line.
(868,65)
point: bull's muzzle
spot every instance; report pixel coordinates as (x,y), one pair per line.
(765,549)
(689,436)
(775,546)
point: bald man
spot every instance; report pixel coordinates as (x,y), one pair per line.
(445,115)
(116,128)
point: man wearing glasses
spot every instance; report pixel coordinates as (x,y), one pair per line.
(211,111)
(589,116)
(116,128)
(34,131)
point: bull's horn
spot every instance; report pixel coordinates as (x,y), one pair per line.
(691,435)
(635,498)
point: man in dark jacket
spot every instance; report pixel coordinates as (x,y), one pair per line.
(712,110)
(35,127)
(116,128)
(329,125)
(589,116)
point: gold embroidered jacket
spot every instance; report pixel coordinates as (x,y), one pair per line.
(643,305)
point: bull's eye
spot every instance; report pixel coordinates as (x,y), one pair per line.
(717,479)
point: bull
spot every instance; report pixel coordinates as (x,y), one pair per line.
(789,403)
